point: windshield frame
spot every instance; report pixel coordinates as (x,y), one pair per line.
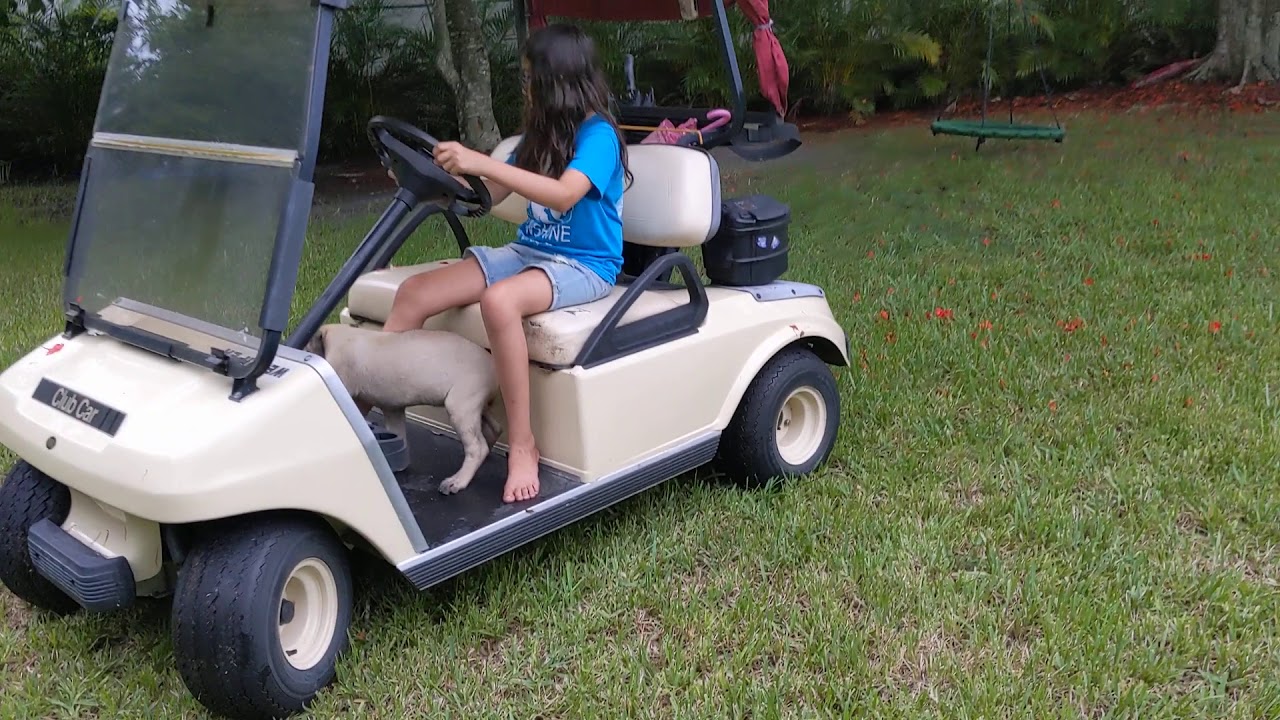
(245,359)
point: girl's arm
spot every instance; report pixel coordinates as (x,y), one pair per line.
(559,194)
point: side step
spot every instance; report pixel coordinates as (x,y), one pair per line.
(491,541)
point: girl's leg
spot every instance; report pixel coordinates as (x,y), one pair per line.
(431,293)
(504,306)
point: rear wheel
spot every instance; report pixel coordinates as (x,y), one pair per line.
(787,422)
(27,497)
(260,615)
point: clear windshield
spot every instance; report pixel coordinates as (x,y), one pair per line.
(201,119)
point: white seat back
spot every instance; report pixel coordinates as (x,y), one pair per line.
(674,201)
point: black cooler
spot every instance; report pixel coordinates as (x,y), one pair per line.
(751,246)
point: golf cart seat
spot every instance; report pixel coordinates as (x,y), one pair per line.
(674,202)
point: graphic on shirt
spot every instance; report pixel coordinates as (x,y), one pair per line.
(548,226)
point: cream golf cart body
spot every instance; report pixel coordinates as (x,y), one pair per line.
(177,440)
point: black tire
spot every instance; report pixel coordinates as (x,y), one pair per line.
(749,448)
(227,612)
(27,497)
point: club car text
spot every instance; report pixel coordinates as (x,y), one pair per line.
(87,410)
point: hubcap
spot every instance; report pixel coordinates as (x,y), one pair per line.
(802,421)
(308,613)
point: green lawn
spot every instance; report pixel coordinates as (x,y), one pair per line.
(1054,494)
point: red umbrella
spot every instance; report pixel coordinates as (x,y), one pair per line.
(770,61)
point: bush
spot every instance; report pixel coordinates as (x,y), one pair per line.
(846,56)
(52,61)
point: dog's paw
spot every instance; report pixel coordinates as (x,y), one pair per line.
(453,485)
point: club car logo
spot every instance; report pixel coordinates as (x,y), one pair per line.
(87,410)
(74,405)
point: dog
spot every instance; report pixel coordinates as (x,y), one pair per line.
(396,370)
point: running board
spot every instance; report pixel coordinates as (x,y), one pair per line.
(491,541)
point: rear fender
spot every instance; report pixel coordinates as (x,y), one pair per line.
(822,335)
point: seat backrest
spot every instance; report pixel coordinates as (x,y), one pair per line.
(674,201)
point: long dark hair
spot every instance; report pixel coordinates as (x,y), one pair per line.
(563,85)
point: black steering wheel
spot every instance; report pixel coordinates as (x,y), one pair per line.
(410,153)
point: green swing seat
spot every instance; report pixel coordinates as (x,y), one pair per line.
(981,127)
(1007,131)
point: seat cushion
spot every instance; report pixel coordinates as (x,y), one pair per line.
(555,338)
(673,202)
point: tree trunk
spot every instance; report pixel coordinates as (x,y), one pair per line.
(1248,45)
(464,62)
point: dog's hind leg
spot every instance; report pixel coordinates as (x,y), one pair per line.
(465,416)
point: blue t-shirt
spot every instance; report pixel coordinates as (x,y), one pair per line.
(590,231)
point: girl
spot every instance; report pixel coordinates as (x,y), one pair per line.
(571,165)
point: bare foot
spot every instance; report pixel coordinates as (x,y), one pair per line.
(522,475)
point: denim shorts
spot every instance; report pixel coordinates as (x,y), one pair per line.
(572,283)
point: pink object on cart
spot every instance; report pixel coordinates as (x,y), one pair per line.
(670,134)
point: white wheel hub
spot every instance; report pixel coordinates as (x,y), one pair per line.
(801,424)
(308,613)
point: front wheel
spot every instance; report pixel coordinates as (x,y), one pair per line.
(787,422)
(27,497)
(260,615)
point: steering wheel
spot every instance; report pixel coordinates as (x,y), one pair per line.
(409,152)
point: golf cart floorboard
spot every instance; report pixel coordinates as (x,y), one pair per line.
(443,518)
(474,526)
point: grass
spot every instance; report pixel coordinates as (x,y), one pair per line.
(1053,494)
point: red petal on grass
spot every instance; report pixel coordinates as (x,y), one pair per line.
(1088,281)
(1056,203)
(986,241)
(1071,325)
(857,297)
(1053,406)
(871,253)
(884,314)
(1188,402)
(1215,326)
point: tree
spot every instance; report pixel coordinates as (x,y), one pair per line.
(464,62)
(1248,45)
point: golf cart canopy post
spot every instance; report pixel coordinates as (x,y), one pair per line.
(196,187)
(769,137)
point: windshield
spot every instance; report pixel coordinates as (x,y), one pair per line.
(201,121)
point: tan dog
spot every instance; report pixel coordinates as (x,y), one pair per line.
(392,371)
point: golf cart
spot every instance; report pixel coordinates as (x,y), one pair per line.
(177,439)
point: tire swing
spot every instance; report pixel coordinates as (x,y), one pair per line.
(982,128)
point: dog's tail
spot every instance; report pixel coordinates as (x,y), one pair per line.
(489,425)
